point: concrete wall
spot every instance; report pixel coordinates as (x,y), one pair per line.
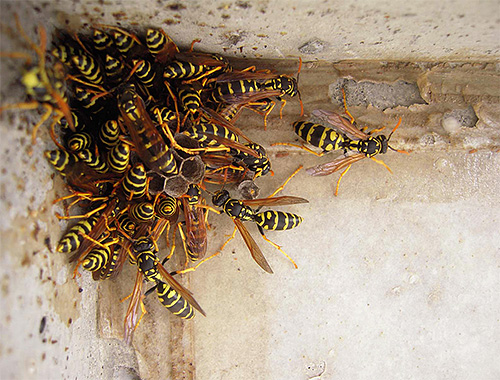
(398,275)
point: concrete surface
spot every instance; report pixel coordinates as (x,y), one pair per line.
(398,275)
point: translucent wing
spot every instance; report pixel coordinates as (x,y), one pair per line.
(179,288)
(275,201)
(337,164)
(340,123)
(255,251)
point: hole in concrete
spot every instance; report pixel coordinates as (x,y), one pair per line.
(379,95)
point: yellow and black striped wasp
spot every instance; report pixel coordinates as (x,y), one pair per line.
(45,85)
(195,239)
(243,210)
(254,89)
(175,297)
(356,143)
(342,135)
(147,140)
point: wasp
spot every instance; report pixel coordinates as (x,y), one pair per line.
(361,146)
(255,88)
(160,45)
(241,211)
(171,293)
(45,85)
(193,66)
(148,141)
(195,240)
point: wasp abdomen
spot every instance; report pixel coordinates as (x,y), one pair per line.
(173,301)
(277,220)
(320,136)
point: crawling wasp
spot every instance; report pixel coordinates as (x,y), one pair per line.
(195,239)
(45,85)
(362,145)
(355,143)
(148,141)
(243,210)
(254,89)
(171,293)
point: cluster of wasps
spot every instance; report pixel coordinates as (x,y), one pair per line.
(142,130)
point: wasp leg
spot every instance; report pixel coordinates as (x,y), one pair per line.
(276,246)
(301,147)
(287,180)
(382,163)
(209,257)
(59,216)
(345,107)
(338,182)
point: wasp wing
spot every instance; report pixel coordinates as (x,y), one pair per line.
(255,251)
(250,97)
(197,58)
(335,165)
(180,289)
(246,75)
(131,318)
(215,118)
(274,201)
(341,123)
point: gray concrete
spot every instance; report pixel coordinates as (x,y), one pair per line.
(397,276)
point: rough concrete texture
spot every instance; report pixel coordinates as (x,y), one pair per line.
(397,276)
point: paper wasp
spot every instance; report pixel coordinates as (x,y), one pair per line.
(195,239)
(45,85)
(254,89)
(171,293)
(355,143)
(160,45)
(243,210)
(362,145)
(192,66)
(149,143)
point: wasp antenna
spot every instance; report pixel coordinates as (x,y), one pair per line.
(344,99)
(396,127)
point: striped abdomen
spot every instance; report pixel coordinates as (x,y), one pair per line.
(89,68)
(181,69)
(144,72)
(123,42)
(320,136)
(109,133)
(141,212)
(118,157)
(190,99)
(229,91)
(72,240)
(134,182)
(277,220)
(113,67)
(97,258)
(166,207)
(95,161)
(101,40)
(60,159)
(199,131)
(79,141)
(173,301)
